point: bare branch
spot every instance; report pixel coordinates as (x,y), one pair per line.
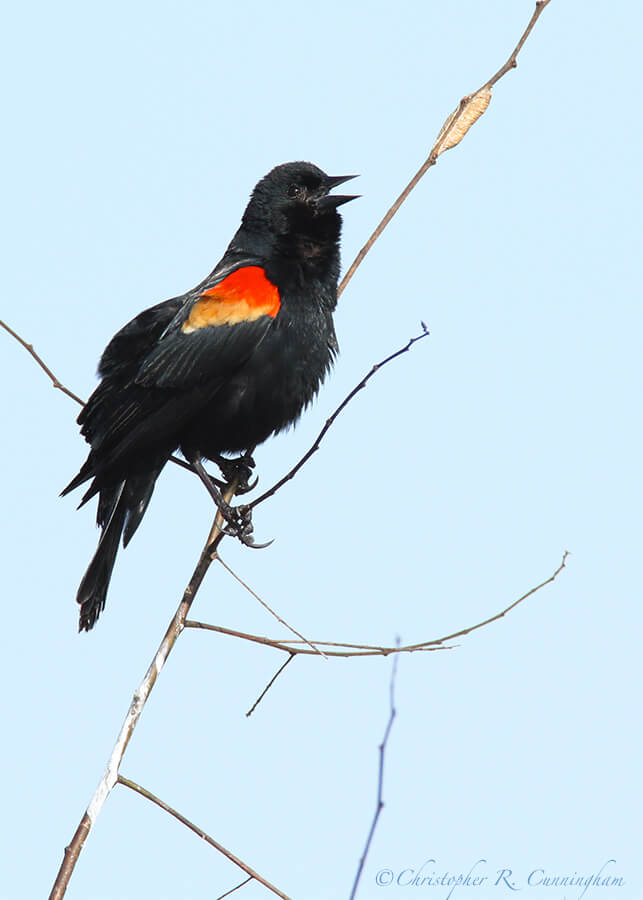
(346,650)
(29,348)
(57,384)
(322,434)
(379,806)
(457,634)
(240,885)
(290,646)
(456,122)
(202,834)
(255,638)
(269,685)
(267,607)
(72,852)
(137,705)
(512,62)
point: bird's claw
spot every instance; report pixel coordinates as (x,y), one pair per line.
(237,519)
(245,486)
(239,525)
(237,470)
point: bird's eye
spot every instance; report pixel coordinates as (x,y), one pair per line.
(295,190)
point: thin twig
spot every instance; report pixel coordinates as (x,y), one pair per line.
(137,705)
(240,885)
(202,834)
(453,123)
(269,685)
(29,348)
(463,631)
(289,646)
(291,474)
(272,612)
(58,384)
(380,778)
(512,62)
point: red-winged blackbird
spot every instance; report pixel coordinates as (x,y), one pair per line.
(220,368)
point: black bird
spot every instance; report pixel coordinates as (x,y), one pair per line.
(218,369)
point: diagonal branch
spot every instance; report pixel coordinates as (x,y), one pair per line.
(322,434)
(30,349)
(141,695)
(58,384)
(267,607)
(463,631)
(289,659)
(456,126)
(379,805)
(512,62)
(236,888)
(202,834)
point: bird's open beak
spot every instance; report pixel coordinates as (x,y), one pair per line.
(334,181)
(332,202)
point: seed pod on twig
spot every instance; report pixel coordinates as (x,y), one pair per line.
(461,120)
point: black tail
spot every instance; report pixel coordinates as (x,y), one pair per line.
(120,510)
(93,588)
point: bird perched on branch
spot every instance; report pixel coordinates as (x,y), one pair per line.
(218,369)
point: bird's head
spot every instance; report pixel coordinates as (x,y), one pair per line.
(293,205)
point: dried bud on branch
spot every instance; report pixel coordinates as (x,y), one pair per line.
(461,120)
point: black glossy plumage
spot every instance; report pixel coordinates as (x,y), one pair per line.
(220,387)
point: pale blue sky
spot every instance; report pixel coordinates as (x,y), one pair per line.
(133,136)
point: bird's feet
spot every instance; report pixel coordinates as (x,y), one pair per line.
(237,470)
(239,524)
(238,519)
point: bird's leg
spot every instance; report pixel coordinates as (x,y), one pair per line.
(239,518)
(238,469)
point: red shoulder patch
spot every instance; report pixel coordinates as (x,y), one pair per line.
(242,296)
